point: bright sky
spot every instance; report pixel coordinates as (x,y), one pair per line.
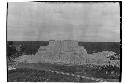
(89,22)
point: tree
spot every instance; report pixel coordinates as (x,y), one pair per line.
(11,50)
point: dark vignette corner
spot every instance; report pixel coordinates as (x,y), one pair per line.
(120,5)
(6,39)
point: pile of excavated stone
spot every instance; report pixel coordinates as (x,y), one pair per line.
(66,52)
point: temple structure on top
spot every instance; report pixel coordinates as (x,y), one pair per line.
(65,45)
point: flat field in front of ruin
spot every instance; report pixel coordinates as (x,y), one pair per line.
(83,70)
(33,75)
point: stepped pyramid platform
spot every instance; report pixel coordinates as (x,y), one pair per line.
(65,51)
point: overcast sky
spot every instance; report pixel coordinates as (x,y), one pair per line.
(89,22)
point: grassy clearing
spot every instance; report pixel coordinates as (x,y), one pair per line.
(85,70)
(32,75)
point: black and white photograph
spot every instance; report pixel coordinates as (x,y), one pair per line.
(63,41)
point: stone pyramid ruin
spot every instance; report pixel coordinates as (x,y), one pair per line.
(65,51)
